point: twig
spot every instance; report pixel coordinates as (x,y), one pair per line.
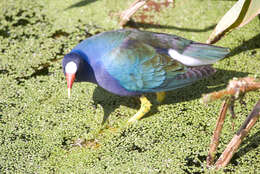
(238,138)
(215,138)
(125,16)
(235,88)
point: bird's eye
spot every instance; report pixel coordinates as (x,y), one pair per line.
(71,67)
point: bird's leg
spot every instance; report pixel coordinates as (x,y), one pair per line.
(145,107)
(160,96)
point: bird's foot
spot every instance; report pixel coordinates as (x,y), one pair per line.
(160,96)
(145,107)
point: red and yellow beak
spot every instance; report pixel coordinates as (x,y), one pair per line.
(70,77)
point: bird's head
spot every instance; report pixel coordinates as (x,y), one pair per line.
(71,65)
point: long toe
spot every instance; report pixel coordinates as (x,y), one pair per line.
(145,108)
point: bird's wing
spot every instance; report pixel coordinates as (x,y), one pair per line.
(187,52)
(138,67)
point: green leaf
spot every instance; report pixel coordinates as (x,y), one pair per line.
(240,14)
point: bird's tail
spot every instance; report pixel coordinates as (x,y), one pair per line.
(197,54)
(206,51)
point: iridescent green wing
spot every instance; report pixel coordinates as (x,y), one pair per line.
(139,67)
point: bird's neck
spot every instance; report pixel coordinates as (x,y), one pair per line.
(85,71)
(87,74)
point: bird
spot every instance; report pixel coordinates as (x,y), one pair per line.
(132,62)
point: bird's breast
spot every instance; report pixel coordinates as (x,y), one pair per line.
(109,83)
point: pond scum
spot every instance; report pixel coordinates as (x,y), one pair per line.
(42,131)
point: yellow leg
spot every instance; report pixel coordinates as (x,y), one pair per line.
(160,96)
(145,107)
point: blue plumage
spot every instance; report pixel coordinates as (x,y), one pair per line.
(132,62)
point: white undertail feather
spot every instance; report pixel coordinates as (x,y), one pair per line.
(189,61)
